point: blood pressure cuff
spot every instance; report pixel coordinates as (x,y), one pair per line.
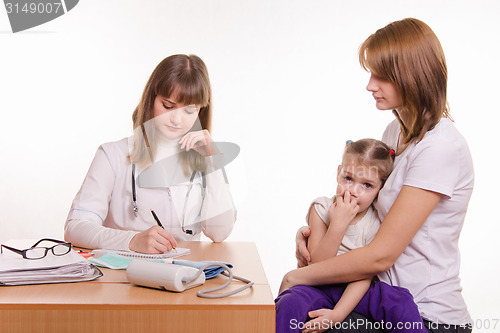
(210,272)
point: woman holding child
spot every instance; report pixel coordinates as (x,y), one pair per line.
(422,204)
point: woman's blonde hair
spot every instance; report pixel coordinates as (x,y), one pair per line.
(184,78)
(409,54)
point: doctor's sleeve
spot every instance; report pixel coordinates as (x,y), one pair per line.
(218,213)
(84,225)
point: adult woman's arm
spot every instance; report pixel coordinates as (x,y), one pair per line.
(406,216)
(301,252)
(84,225)
(218,212)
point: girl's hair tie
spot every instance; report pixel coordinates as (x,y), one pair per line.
(348,142)
(391,152)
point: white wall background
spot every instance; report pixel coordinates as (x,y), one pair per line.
(287,88)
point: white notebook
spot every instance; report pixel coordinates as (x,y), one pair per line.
(180,251)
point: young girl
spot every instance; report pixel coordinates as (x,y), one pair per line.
(169,167)
(340,224)
(424,201)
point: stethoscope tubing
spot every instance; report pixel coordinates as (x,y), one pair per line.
(135,208)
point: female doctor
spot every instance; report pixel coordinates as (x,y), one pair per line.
(163,184)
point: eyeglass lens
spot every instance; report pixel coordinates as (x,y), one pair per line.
(40,252)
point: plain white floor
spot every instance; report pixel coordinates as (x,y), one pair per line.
(287,89)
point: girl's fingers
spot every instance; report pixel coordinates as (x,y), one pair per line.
(313,326)
(314,314)
(339,199)
(347,197)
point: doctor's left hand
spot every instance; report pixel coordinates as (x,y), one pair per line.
(153,240)
(200,141)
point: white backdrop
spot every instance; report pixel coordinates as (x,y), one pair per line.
(287,89)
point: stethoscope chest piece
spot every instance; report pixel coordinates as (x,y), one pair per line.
(135,209)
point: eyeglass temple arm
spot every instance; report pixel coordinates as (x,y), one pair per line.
(11,248)
(50,240)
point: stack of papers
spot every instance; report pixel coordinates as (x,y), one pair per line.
(71,267)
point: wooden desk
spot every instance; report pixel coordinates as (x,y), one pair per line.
(110,304)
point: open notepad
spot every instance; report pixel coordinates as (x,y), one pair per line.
(180,251)
(121,259)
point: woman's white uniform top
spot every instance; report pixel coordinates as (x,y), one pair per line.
(429,266)
(102,216)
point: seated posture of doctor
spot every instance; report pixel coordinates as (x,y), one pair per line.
(170,166)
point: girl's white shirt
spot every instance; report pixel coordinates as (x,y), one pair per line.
(101,215)
(429,267)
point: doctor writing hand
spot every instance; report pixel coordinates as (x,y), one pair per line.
(200,141)
(153,240)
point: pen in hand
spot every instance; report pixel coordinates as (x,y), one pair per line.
(159,224)
(157,219)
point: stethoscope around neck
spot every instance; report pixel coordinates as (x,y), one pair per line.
(135,208)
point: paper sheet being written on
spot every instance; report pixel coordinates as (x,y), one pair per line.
(180,251)
(71,267)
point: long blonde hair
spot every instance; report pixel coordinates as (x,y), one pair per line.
(185,78)
(409,54)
